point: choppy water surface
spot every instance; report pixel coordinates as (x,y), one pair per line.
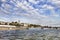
(31,34)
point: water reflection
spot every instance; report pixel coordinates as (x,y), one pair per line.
(34,34)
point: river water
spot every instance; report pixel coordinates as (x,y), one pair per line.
(30,34)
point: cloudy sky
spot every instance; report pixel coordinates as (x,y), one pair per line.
(44,12)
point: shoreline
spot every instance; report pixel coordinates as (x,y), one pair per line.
(25,28)
(9,27)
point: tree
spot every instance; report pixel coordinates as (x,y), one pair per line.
(6,23)
(0,23)
(15,24)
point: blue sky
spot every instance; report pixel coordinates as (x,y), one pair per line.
(44,12)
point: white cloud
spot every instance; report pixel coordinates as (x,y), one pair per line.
(51,8)
(4,19)
(3,0)
(48,7)
(55,15)
(31,11)
(6,6)
(55,2)
(33,1)
(5,11)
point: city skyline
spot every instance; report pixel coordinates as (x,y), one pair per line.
(44,12)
